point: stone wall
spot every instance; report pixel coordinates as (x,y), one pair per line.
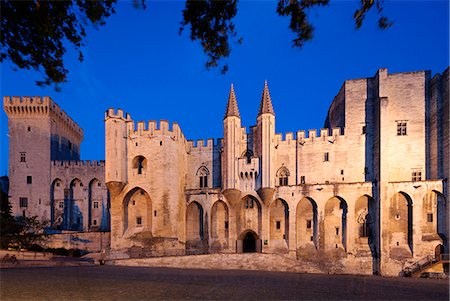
(88,241)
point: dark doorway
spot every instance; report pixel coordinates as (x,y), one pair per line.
(249,243)
(438,251)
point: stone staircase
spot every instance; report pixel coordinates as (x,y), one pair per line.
(249,261)
(425,265)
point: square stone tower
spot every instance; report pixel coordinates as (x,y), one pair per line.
(39,132)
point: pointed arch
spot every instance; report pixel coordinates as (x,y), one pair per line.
(95,204)
(306,223)
(279,225)
(434,213)
(248,215)
(220,222)
(203,175)
(247,154)
(74,215)
(401,225)
(365,217)
(335,223)
(194,222)
(137,211)
(57,198)
(283,176)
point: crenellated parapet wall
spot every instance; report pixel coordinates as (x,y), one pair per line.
(28,106)
(79,163)
(311,136)
(120,114)
(84,170)
(152,128)
(202,145)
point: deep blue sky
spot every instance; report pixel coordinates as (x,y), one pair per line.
(138,62)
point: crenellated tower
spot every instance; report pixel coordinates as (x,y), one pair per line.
(265,146)
(40,132)
(116,148)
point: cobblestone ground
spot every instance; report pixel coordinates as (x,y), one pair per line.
(136,283)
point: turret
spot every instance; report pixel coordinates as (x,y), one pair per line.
(232,137)
(116,146)
(266,143)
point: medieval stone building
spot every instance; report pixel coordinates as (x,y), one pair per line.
(46,175)
(368,192)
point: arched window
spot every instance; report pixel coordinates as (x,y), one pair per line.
(139,163)
(248,154)
(203,174)
(283,176)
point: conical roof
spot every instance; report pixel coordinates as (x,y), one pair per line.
(232,108)
(266,102)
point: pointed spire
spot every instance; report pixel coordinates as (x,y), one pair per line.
(266,102)
(232,108)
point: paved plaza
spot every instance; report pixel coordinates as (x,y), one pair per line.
(136,283)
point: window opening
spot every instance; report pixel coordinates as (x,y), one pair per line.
(283,176)
(401,128)
(416,176)
(29,179)
(23,202)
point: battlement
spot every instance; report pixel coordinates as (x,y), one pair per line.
(112,113)
(153,128)
(311,135)
(200,145)
(71,163)
(28,106)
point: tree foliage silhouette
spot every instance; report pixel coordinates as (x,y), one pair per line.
(34,33)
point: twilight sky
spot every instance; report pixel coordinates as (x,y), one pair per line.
(139,63)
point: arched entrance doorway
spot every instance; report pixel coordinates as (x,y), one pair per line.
(249,243)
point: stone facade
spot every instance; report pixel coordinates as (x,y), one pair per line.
(366,194)
(46,175)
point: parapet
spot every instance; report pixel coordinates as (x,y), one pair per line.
(112,113)
(333,134)
(72,163)
(200,145)
(153,128)
(28,106)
